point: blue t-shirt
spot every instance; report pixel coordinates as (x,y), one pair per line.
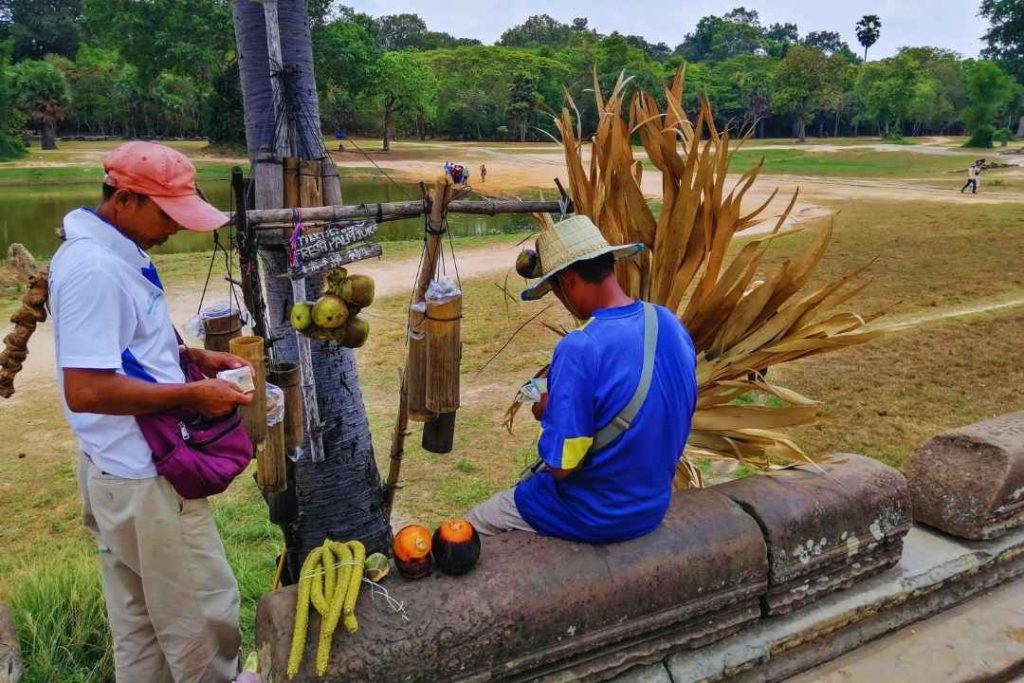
(623,490)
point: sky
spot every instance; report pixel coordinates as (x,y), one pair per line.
(951,24)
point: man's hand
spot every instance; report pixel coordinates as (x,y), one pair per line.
(539,407)
(215,397)
(212,362)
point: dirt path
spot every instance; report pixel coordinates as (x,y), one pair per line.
(518,171)
(961,311)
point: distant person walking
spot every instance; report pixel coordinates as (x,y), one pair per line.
(972,178)
(483,173)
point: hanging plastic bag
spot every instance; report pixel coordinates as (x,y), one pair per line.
(442,289)
(275,405)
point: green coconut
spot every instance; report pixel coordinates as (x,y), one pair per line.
(356,332)
(329,312)
(301,316)
(358,290)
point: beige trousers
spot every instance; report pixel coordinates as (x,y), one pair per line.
(171,598)
(498,514)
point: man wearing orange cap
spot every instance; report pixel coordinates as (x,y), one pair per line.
(171,598)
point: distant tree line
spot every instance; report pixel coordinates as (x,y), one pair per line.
(166,68)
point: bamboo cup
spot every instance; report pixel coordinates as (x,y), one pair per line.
(254,415)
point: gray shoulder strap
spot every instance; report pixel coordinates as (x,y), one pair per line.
(621,422)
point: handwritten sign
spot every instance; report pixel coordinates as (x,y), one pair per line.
(318,252)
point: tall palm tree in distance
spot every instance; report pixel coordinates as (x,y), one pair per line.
(869,28)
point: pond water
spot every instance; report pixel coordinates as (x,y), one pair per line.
(30,214)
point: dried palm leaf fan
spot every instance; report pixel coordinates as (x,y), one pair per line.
(738,325)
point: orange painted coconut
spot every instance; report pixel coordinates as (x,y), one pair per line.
(456,546)
(412,552)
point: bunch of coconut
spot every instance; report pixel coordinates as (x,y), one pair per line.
(335,315)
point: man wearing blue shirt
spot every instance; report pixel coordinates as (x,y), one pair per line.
(621,396)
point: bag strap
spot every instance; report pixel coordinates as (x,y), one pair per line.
(621,422)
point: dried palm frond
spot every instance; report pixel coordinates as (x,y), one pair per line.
(740,325)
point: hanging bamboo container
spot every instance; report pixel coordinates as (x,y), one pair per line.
(254,415)
(220,330)
(271,456)
(444,354)
(416,373)
(286,376)
(444,351)
(271,473)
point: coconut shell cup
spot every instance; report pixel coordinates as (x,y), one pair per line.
(412,551)
(456,547)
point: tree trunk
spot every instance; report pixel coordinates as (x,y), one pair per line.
(835,129)
(1020,127)
(297,53)
(801,129)
(386,142)
(49,134)
(341,497)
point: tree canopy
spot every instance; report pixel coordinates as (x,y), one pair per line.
(167,68)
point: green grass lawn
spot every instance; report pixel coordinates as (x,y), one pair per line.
(881,399)
(853,163)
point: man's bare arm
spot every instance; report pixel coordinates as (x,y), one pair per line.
(107,393)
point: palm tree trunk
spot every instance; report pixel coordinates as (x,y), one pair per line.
(49,134)
(340,498)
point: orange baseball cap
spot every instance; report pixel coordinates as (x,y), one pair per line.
(167,177)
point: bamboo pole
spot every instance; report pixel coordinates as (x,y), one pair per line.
(267,218)
(397,445)
(310,185)
(416,366)
(309,191)
(417,346)
(330,181)
(291,182)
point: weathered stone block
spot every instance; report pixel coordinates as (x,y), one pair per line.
(10,648)
(825,529)
(542,609)
(970,482)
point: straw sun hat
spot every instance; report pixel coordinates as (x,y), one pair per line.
(574,239)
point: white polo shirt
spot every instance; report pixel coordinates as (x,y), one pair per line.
(109,313)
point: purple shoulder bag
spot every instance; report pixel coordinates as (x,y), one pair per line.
(199,456)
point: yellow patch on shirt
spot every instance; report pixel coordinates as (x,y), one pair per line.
(573,451)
